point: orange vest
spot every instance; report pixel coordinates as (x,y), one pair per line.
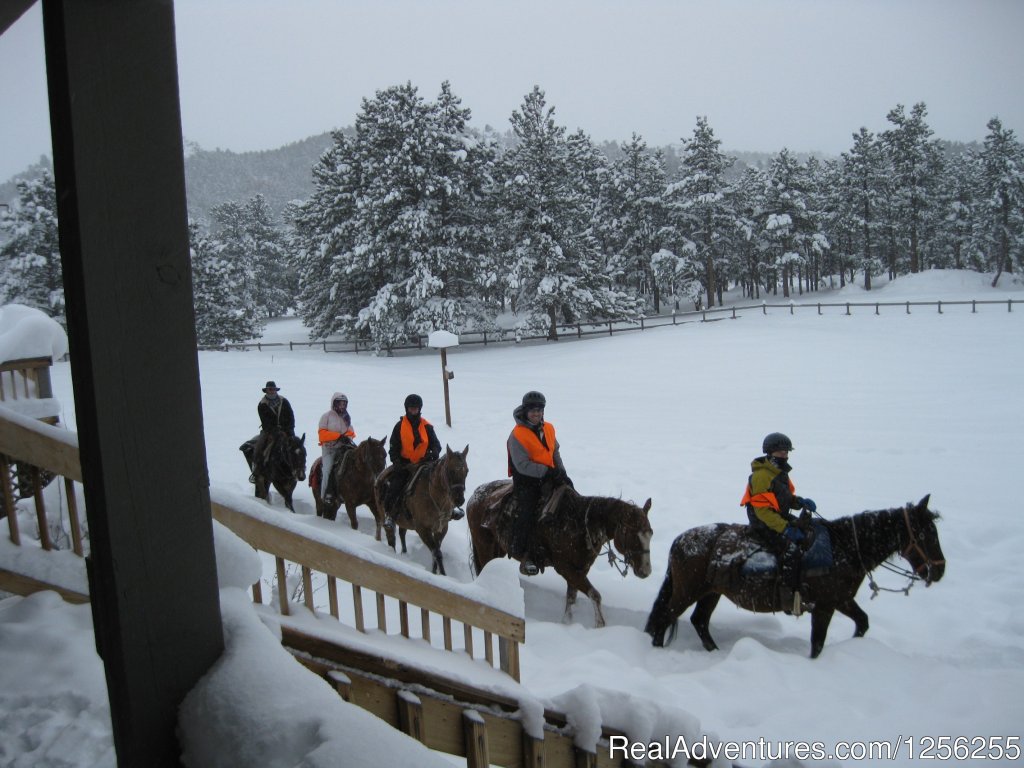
(536,450)
(766,499)
(414,455)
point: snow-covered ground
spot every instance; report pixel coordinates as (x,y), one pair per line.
(882,410)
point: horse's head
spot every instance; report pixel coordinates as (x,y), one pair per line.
(374,454)
(922,550)
(295,455)
(633,537)
(455,471)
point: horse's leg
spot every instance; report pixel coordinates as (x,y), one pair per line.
(570,601)
(855,612)
(351,509)
(401,535)
(820,619)
(577,580)
(701,617)
(286,494)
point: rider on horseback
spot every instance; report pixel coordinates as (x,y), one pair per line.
(413,441)
(335,434)
(276,418)
(535,466)
(769,497)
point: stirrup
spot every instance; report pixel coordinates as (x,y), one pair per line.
(528,568)
(252,478)
(798,603)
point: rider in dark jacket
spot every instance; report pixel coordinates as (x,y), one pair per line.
(276,417)
(413,441)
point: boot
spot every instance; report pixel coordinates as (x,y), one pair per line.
(527,567)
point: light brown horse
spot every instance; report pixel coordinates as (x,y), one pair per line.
(568,538)
(713,560)
(354,474)
(433,492)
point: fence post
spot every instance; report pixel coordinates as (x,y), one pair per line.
(791,308)
(734,313)
(908,307)
(1009,305)
(876,307)
(940,306)
(764,307)
(819,307)
(974,306)
(642,323)
(609,327)
(579,331)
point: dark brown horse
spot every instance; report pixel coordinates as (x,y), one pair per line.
(433,492)
(708,562)
(568,538)
(284,468)
(354,472)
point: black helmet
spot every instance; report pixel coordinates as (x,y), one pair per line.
(534,399)
(776,441)
(414,401)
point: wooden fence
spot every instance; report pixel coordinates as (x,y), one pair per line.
(362,573)
(588,328)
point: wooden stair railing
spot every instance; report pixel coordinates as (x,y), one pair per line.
(363,573)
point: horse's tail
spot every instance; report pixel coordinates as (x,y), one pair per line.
(659,619)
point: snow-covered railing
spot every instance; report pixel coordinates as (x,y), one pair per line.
(289,541)
(32,452)
(586,328)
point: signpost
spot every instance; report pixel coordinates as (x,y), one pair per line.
(442,340)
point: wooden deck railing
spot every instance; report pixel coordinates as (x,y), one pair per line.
(32,449)
(363,573)
(25,379)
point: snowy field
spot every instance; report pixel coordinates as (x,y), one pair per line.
(882,410)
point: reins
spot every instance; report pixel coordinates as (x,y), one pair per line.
(912,545)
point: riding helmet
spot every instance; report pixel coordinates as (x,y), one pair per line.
(414,401)
(534,399)
(776,441)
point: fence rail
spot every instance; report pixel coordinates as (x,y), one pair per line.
(587,328)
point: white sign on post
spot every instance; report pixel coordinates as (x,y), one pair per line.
(442,340)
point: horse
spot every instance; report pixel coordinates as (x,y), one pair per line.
(714,560)
(568,538)
(433,493)
(284,468)
(354,474)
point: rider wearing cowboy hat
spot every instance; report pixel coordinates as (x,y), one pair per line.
(276,417)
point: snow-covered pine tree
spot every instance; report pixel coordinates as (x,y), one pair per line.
(276,276)
(555,270)
(1001,215)
(635,217)
(864,180)
(239,316)
(699,205)
(391,250)
(30,266)
(916,162)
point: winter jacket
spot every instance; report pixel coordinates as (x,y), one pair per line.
(333,425)
(413,441)
(770,494)
(276,413)
(532,450)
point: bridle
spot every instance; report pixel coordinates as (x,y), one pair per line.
(450,485)
(627,558)
(912,546)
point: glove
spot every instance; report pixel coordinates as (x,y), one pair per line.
(557,475)
(793,533)
(809,505)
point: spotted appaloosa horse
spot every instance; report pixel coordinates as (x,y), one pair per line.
(569,538)
(706,563)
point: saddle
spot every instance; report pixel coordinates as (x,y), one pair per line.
(745,553)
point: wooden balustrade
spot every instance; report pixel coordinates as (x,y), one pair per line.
(25,379)
(364,574)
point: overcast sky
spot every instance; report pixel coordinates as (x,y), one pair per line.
(803,74)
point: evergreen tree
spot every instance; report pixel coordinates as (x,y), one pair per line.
(30,266)
(700,209)
(233,263)
(915,160)
(865,173)
(390,246)
(554,266)
(787,222)
(635,216)
(276,276)
(1002,206)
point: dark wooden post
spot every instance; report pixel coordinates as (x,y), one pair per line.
(119,173)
